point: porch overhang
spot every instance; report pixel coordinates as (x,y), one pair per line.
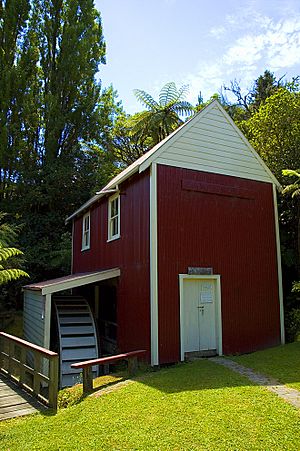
(73,281)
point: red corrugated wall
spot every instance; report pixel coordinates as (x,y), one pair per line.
(230,227)
(130,253)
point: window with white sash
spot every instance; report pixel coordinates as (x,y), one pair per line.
(114,217)
(86,231)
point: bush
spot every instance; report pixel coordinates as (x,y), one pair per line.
(69,396)
(292,324)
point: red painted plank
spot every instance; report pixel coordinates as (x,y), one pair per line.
(110,359)
(233,235)
(130,253)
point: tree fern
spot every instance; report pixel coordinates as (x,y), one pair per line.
(294,188)
(163,117)
(7,254)
(6,275)
(146,99)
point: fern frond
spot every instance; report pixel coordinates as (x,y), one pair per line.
(6,275)
(296,192)
(8,233)
(7,252)
(296,287)
(291,173)
(183,91)
(183,108)
(168,94)
(146,99)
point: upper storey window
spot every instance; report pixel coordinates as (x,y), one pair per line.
(114,217)
(86,231)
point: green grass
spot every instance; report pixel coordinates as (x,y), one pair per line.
(194,406)
(73,395)
(282,363)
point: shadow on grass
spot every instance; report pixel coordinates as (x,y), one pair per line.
(204,374)
(197,375)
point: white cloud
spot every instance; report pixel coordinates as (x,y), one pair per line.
(217,32)
(247,50)
(276,44)
(260,43)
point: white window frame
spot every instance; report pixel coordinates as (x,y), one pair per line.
(85,244)
(111,237)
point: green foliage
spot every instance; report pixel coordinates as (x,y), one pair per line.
(128,142)
(16,326)
(274,131)
(162,117)
(69,396)
(247,103)
(293,191)
(292,321)
(54,122)
(294,188)
(6,272)
(73,395)
(8,235)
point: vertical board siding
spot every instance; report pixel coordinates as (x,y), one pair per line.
(236,237)
(33,320)
(212,144)
(130,253)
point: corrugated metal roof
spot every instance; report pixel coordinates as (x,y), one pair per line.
(72,281)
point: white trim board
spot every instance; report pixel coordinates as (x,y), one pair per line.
(279,271)
(153,266)
(217,278)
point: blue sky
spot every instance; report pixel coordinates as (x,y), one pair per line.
(200,43)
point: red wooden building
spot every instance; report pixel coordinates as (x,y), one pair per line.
(180,252)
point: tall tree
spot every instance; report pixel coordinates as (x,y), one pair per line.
(17,65)
(274,131)
(248,102)
(54,117)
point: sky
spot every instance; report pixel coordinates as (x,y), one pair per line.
(203,44)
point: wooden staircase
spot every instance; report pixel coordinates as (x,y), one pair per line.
(77,337)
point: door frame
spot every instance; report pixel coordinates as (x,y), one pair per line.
(217,279)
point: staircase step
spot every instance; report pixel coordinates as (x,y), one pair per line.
(77,336)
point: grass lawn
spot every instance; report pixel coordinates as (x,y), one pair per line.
(190,406)
(282,363)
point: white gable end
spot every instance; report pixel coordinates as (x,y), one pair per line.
(211,142)
(208,142)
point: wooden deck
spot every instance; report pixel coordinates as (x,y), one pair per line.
(15,402)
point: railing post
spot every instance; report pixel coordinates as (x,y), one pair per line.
(87,379)
(11,352)
(1,352)
(37,370)
(22,368)
(132,365)
(53,382)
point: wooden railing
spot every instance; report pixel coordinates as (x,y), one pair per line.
(32,367)
(86,366)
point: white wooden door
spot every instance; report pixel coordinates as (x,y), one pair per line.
(199,315)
